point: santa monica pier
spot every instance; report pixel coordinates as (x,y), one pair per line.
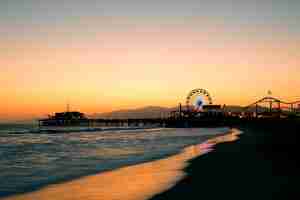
(198,111)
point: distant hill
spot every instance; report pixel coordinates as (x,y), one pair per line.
(145,112)
(232,108)
(25,121)
(154,112)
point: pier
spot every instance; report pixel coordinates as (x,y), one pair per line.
(199,111)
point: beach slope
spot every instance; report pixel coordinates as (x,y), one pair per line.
(263,164)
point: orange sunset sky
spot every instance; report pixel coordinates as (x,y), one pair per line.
(102,56)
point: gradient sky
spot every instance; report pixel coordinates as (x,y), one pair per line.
(103,55)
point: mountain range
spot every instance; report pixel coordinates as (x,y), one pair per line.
(150,112)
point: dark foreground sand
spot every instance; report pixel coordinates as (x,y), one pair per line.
(263,164)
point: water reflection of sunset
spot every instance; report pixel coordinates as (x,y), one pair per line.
(136,182)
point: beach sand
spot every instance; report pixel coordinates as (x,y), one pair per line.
(138,182)
(263,164)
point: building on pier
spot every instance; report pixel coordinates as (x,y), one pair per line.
(65,119)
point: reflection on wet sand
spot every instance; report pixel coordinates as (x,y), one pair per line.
(136,182)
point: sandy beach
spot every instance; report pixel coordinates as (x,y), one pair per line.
(263,164)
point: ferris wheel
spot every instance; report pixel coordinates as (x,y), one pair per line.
(197,98)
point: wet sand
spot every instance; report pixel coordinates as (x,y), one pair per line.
(263,164)
(136,182)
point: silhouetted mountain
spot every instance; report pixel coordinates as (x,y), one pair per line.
(12,121)
(156,112)
(232,108)
(145,112)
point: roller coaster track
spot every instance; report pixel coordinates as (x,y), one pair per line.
(272,100)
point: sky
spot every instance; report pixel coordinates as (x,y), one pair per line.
(104,55)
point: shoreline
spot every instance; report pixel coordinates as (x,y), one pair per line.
(262,164)
(142,180)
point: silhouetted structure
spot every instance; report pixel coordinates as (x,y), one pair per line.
(65,119)
(199,111)
(270,107)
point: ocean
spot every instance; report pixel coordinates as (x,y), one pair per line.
(31,158)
